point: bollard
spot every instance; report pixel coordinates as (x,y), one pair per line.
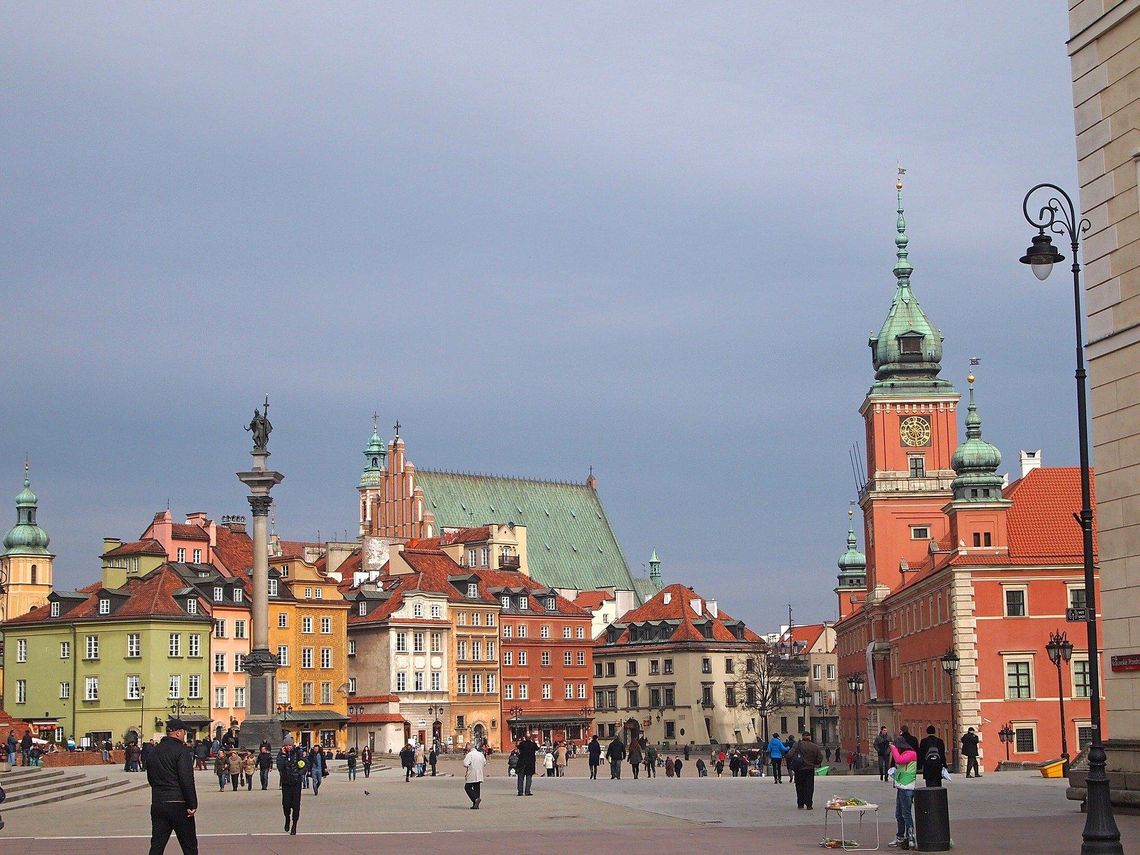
(932,819)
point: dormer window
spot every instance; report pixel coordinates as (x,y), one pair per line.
(910,344)
(55,609)
(239,595)
(284,571)
(505,601)
(524,603)
(471,553)
(472,590)
(551,604)
(272,587)
(104,606)
(219,593)
(191,606)
(362,608)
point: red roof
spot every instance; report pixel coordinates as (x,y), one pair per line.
(808,634)
(1040,520)
(233,552)
(378,718)
(188,531)
(592,600)
(137,547)
(674,602)
(466,535)
(507,579)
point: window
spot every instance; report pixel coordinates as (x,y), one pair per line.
(219,697)
(352,647)
(197,556)
(282,620)
(544,631)
(174,647)
(523,691)
(219,596)
(309,596)
(509,691)
(580,632)
(326,626)
(326,693)
(219,629)
(195,645)
(1084,736)
(485,556)
(669,693)
(730,696)
(706,665)
(239,663)
(508,658)
(524,603)
(551,604)
(1015,602)
(566,631)
(477,683)
(417,609)
(1024,740)
(611,669)
(546,659)
(219,665)
(1078,598)
(283,655)
(817,672)
(1082,686)
(707,697)
(490,618)
(1018,681)
(472,590)
(64,691)
(462,618)
(418,643)
(21,650)
(282,692)
(174,687)
(92,647)
(362,608)
(239,697)
(191,606)
(567,657)
(597,669)
(55,609)
(65,650)
(273,588)
(476,650)
(654,697)
(654,667)
(919,532)
(401,642)
(320,592)
(491,650)
(461,651)
(181,554)
(546,691)
(401,681)
(436,642)
(462,684)
(352,685)
(633,699)
(505,601)
(569,692)
(436,681)
(239,626)
(522,657)
(21,691)
(195,686)
(91,689)
(631,668)
(471,555)
(667,666)
(831,672)
(306,625)
(506,631)
(326,658)
(104,606)
(522,630)
(917,467)
(306,657)
(306,693)
(238,597)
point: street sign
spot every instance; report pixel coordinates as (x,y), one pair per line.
(1077,615)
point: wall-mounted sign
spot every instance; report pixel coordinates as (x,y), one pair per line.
(1077,615)
(1126,662)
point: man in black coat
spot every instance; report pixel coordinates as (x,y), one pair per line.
(615,753)
(173,799)
(291,766)
(594,750)
(932,758)
(970,752)
(524,771)
(910,738)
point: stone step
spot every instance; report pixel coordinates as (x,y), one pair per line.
(15,782)
(92,786)
(33,789)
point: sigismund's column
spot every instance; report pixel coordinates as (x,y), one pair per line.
(261,725)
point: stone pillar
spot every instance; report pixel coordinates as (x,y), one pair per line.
(261,664)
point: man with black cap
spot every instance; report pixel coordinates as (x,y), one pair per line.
(291,767)
(173,799)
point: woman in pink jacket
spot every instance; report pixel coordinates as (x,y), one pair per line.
(905,770)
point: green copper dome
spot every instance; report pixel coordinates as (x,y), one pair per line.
(25,537)
(976,461)
(909,346)
(852,562)
(375,455)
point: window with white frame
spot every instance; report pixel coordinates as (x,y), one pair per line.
(21,691)
(462,684)
(569,693)
(195,645)
(522,657)
(326,658)
(524,603)
(174,647)
(566,631)
(21,650)
(306,657)
(436,611)
(92,648)
(1024,738)
(65,649)
(401,642)
(1082,682)
(55,609)
(476,650)
(352,685)
(239,697)
(307,625)
(1016,598)
(283,655)
(181,554)
(219,697)
(191,606)
(461,651)
(436,642)
(282,620)
(461,618)
(508,658)
(362,608)
(581,658)
(436,682)
(485,556)
(174,687)
(219,665)
(417,642)
(417,610)
(491,650)
(505,601)
(401,681)
(197,556)
(582,691)
(64,691)
(477,684)
(194,686)
(104,606)
(272,587)
(546,658)
(522,630)
(580,632)
(1018,678)
(476,618)
(91,689)
(544,631)
(326,692)
(352,647)
(508,691)
(309,596)
(567,657)
(472,590)
(472,554)
(523,691)
(219,596)
(239,596)
(490,684)
(506,630)
(219,629)
(326,626)
(282,692)
(239,628)
(490,618)
(306,693)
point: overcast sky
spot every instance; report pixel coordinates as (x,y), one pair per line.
(651,238)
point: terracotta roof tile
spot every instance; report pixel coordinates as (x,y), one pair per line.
(137,547)
(593,599)
(1040,520)
(674,603)
(233,552)
(188,531)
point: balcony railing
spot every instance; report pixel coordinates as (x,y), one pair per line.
(509,562)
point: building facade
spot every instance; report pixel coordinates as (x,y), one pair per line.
(1103,50)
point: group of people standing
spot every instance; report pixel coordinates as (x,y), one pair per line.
(415,760)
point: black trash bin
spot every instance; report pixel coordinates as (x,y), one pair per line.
(931,819)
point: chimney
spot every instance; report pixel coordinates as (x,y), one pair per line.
(1030,460)
(197,518)
(110,543)
(235,523)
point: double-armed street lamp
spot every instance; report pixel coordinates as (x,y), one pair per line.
(354,713)
(1060,649)
(1059,216)
(950,666)
(855,685)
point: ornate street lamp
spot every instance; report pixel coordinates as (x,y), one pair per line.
(1100,834)
(354,712)
(855,685)
(1060,649)
(950,666)
(1006,736)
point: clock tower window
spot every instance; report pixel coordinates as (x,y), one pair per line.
(917,467)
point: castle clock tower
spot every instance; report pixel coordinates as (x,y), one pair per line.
(911,426)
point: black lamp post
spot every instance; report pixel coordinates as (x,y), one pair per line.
(950,666)
(855,684)
(1100,834)
(1060,649)
(1006,736)
(354,712)
(516,714)
(802,700)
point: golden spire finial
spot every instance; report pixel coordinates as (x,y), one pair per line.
(974,360)
(899,180)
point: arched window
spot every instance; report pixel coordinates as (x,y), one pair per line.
(33,574)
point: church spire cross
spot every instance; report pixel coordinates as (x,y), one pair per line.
(375,420)
(396,427)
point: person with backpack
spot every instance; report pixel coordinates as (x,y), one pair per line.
(803,760)
(903,773)
(291,767)
(883,750)
(932,755)
(776,753)
(650,761)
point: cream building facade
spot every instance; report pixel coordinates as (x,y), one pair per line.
(1104,49)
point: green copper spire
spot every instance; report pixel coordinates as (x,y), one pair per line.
(975,461)
(655,569)
(907,352)
(852,563)
(375,457)
(25,537)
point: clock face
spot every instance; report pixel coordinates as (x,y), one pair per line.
(915,431)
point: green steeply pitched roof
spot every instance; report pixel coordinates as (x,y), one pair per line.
(569,540)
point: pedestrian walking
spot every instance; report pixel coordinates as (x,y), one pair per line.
(264,764)
(291,768)
(234,766)
(615,753)
(804,759)
(222,771)
(650,761)
(905,770)
(248,765)
(634,758)
(528,751)
(12,746)
(419,760)
(560,760)
(932,757)
(433,758)
(669,770)
(407,760)
(776,753)
(351,759)
(317,768)
(702,769)
(366,761)
(474,763)
(594,756)
(970,752)
(548,763)
(677,764)
(882,746)
(173,799)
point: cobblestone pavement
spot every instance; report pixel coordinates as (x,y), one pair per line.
(1011,811)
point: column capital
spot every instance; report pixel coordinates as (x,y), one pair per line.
(260,505)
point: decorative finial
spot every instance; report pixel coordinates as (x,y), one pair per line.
(375,420)
(396,427)
(903,267)
(974,360)
(899,181)
(27,470)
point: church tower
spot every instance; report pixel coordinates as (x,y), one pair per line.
(375,462)
(911,427)
(25,563)
(852,573)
